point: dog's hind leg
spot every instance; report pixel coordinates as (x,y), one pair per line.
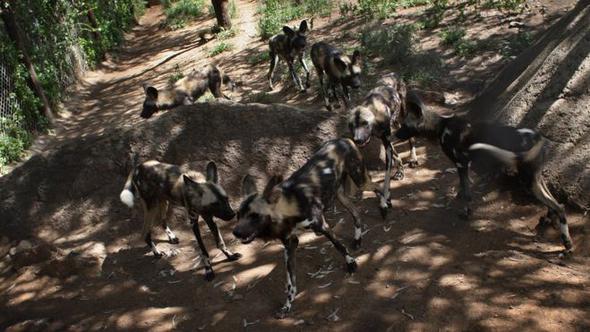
(544,195)
(321,227)
(209,274)
(150,214)
(413,158)
(274,59)
(464,192)
(290,244)
(219,240)
(356,218)
(166,215)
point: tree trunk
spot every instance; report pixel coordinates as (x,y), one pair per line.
(13,32)
(221,8)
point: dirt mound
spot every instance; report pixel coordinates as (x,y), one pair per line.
(76,185)
(547,88)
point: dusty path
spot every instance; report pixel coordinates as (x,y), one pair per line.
(423,268)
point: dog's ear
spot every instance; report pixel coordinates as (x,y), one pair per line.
(303,26)
(340,65)
(151,92)
(288,31)
(356,57)
(189,182)
(248,186)
(268,192)
(212,175)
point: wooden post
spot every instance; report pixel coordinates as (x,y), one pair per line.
(11,25)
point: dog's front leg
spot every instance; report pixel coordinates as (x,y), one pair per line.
(345,95)
(384,199)
(294,75)
(465,192)
(219,240)
(274,59)
(209,274)
(290,244)
(413,158)
(150,214)
(304,65)
(356,218)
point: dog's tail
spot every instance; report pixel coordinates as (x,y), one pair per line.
(127,195)
(509,157)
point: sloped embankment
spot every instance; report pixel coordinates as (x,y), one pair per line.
(74,190)
(548,88)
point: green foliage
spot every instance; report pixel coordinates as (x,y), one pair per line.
(60,40)
(226,34)
(508,5)
(434,14)
(220,48)
(377,8)
(14,139)
(274,14)
(396,44)
(178,13)
(176,75)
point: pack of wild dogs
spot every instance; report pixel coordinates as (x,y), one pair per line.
(389,112)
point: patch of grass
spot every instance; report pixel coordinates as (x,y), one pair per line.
(398,40)
(516,44)
(396,45)
(452,35)
(206,97)
(434,14)
(178,13)
(508,5)
(176,75)
(220,48)
(276,13)
(257,58)
(226,34)
(14,139)
(455,37)
(380,9)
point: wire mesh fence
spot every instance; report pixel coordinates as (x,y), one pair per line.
(8,104)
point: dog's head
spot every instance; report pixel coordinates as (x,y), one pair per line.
(360,123)
(207,197)
(150,103)
(256,210)
(298,37)
(414,121)
(349,69)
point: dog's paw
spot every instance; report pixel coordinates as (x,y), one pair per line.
(283,312)
(413,163)
(465,213)
(174,240)
(351,266)
(567,253)
(399,175)
(209,274)
(234,257)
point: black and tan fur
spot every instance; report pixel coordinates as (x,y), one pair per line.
(519,149)
(299,202)
(383,108)
(186,90)
(290,47)
(341,70)
(161,185)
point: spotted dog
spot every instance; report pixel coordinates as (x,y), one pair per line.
(159,185)
(299,202)
(519,149)
(382,109)
(289,46)
(186,90)
(340,69)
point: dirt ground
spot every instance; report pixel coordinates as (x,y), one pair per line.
(423,268)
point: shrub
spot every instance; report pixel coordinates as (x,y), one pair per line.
(220,48)
(451,36)
(276,13)
(178,13)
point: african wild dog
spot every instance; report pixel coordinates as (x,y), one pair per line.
(341,70)
(520,149)
(289,46)
(382,108)
(186,90)
(159,185)
(299,202)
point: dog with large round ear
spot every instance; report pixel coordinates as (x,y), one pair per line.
(150,104)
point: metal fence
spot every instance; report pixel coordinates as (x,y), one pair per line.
(7,104)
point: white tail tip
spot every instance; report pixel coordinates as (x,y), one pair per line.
(127,197)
